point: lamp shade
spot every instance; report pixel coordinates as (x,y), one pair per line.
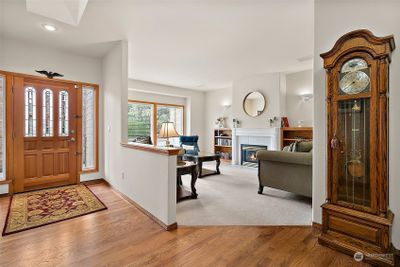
(168,130)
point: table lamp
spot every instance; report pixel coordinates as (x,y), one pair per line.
(168,130)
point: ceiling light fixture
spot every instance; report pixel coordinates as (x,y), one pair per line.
(49,27)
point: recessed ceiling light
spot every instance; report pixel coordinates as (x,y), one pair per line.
(49,27)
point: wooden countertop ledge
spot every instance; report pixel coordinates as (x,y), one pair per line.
(151,148)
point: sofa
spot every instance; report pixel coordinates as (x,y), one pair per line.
(288,171)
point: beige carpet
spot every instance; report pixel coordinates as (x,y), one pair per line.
(231,199)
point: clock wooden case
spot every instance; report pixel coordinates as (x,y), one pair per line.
(356,217)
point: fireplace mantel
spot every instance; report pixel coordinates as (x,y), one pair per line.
(251,136)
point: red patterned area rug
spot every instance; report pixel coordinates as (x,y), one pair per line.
(34,209)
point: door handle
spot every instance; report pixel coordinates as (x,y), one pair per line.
(71,140)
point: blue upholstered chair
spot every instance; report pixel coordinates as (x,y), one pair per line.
(189,141)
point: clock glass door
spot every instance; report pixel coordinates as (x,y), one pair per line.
(353,162)
(352,141)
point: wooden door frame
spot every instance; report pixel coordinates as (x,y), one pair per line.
(8,102)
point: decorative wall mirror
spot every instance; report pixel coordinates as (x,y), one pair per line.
(254,104)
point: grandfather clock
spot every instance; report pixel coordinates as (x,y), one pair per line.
(356,217)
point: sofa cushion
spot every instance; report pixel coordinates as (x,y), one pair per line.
(285,157)
(304,146)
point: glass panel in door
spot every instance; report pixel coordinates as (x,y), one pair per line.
(353,156)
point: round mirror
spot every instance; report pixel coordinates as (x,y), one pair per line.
(254,104)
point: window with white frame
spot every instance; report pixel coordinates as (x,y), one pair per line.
(88,128)
(2,129)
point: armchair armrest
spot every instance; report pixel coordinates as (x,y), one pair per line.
(302,158)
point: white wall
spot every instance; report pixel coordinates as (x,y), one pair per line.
(113,84)
(281,92)
(214,101)
(269,85)
(24,57)
(296,109)
(382,19)
(133,172)
(152,97)
(194,105)
(150,181)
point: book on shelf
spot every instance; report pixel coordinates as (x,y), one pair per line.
(223,142)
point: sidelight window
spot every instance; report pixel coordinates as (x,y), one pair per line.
(2,129)
(30,112)
(88,128)
(47,113)
(63,113)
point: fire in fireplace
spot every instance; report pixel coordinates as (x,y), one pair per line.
(248,154)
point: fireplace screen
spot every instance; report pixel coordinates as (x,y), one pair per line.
(248,154)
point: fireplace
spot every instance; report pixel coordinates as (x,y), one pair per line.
(248,154)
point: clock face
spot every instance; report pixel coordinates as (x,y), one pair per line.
(354,64)
(354,82)
(354,76)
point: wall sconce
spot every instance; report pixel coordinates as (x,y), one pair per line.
(306,97)
(225,106)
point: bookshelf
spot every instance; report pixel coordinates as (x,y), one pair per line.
(292,134)
(223,143)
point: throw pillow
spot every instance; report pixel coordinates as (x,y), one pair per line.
(186,147)
(304,146)
(292,147)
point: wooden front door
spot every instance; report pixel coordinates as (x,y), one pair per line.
(44,133)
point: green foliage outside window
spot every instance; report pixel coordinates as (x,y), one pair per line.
(139,120)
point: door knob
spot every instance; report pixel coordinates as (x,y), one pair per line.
(71,140)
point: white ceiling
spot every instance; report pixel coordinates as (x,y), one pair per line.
(199,44)
(67,11)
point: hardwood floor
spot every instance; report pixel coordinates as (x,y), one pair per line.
(123,236)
